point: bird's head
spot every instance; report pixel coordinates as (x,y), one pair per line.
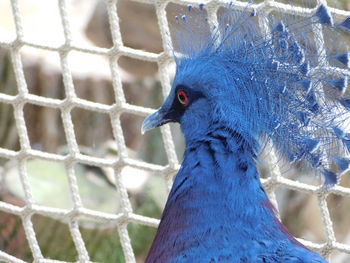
(218,81)
(204,95)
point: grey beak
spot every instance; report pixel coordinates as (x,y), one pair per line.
(154,120)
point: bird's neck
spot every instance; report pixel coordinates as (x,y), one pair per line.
(217,195)
(219,177)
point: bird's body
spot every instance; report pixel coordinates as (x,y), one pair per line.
(234,92)
(217,211)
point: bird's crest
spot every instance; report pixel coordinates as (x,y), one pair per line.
(290,80)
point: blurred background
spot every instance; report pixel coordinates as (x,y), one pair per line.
(92,81)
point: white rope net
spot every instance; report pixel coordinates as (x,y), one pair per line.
(71,101)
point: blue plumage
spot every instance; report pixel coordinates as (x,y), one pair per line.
(344,58)
(236,90)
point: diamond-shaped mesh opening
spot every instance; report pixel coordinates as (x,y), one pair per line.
(137,68)
(225,17)
(92,130)
(102,241)
(300,213)
(42,72)
(340,257)
(97,188)
(336,45)
(45,129)
(340,4)
(174,10)
(139,26)
(147,192)
(41,22)
(300,174)
(97,29)
(185,23)
(339,212)
(88,23)
(146,92)
(96,89)
(12,237)
(345,180)
(91,77)
(141,239)
(49,183)
(54,238)
(147,147)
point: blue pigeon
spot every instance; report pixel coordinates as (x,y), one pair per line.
(236,90)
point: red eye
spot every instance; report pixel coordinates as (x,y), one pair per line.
(182,97)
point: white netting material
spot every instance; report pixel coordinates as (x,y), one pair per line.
(164,59)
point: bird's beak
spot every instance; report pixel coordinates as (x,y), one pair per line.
(154,120)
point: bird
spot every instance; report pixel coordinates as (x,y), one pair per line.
(237,89)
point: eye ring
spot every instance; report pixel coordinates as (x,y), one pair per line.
(182,97)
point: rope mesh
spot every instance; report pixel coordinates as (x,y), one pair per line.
(71,101)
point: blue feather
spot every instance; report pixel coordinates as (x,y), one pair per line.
(201,6)
(296,52)
(340,84)
(346,142)
(345,103)
(274,65)
(316,160)
(306,84)
(253,13)
(338,132)
(303,118)
(342,163)
(344,58)
(305,68)
(345,25)
(311,145)
(324,15)
(283,44)
(280,27)
(281,89)
(331,178)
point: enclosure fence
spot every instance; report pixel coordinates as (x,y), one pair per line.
(65,106)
